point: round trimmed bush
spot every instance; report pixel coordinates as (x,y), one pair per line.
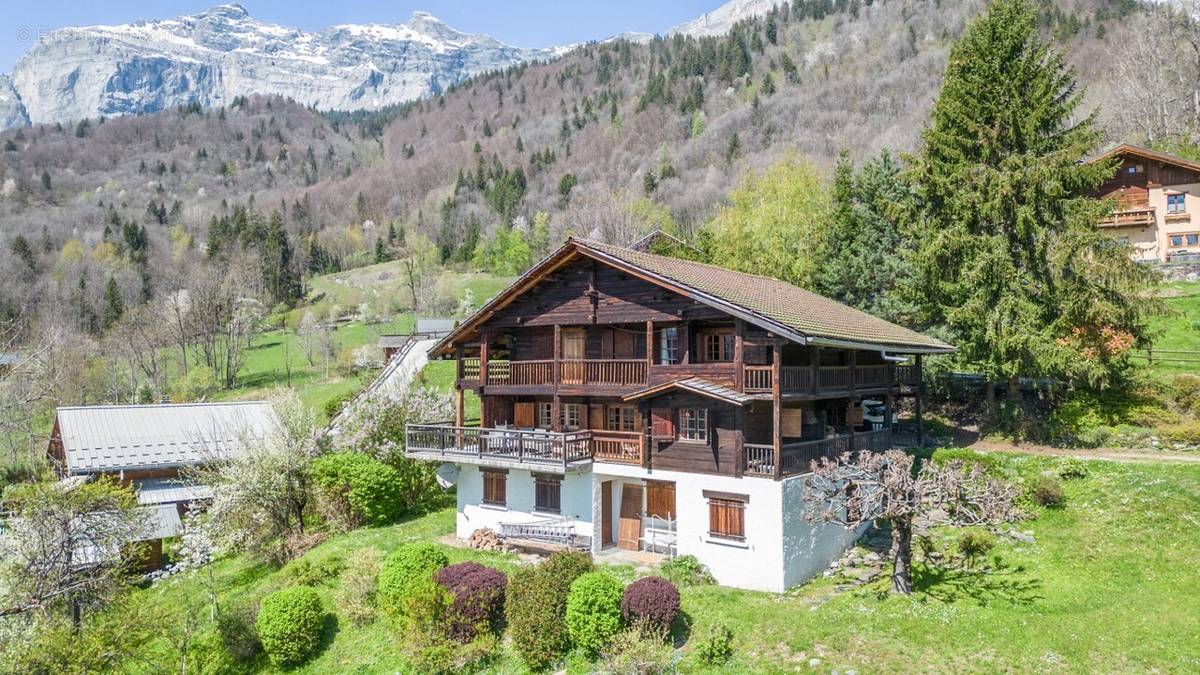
(1047,492)
(536,604)
(289,625)
(594,610)
(403,572)
(359,489)
(478,598)
(651,600)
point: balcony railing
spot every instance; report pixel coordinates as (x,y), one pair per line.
(599,372)
(758,379)
(620,447)
(797,458)
(1124,217)
(429,441)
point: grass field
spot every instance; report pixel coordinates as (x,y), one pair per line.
(1179,330)
(1108,586)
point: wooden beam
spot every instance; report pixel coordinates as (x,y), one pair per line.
(739,360)
(853,393)
(460,415)
(921,401)
(649,349)
(484,336)
(556,367)
(814,356)
(777,407)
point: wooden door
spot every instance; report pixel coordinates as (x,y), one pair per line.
(596,416)
(629,533)
(606,514)
(660,499)
(574,350)
(523,415)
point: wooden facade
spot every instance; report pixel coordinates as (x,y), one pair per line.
(647,375)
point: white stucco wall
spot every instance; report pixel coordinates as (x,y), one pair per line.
(808,548)
(472,514)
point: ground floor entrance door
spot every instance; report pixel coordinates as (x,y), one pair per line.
(606,514)
(630,530)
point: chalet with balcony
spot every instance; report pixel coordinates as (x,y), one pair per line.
(635,401)
(1154,195)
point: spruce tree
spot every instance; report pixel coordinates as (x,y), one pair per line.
(1009,258)
(114,306)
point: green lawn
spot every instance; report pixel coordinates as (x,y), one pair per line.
(1109,585)
(1179,330)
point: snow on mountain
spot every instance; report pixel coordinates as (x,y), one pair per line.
(217,55)
(721,19)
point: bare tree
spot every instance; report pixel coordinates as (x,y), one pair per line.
(28,377)
(855,489)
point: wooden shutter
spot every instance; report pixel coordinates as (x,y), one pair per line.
(662,423)
(523,414)
(495,488)
(792,422)
(596,416)
(727,518)
(623,344)
(660,499)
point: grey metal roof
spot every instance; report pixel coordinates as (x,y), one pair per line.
(126,437)
(434,326)
(162,521)
(169,491)
(386,341)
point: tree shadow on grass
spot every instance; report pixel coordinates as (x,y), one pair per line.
(681,630)
(329,631)
(999,583)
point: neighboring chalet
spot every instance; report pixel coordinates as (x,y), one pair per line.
(147,446)
(637,401)
(425,327)
(1156,195)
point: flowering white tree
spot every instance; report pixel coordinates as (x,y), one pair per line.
(261,492)
(375,426)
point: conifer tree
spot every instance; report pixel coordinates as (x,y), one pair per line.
(114,306)
(1009,257)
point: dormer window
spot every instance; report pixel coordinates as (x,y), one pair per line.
(1176,203)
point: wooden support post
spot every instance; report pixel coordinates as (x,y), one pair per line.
(739,370)
(814,355)
(483,359)
(649,349)
(921,402)
(888,407)
(556,413)
(853,396)
(556,373)
(739,458)
(460,410)
(776,407)
(458,365)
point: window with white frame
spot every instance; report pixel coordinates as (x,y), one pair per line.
(571,414)
(622,418)
(693,424)
(718,347)
(669,346)
(545,415)
(1176,203)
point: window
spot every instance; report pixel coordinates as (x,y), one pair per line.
(1176,204)
(545,415)
(495,488)
(693,424)
(622,418)
(1133,168)
(718,346)
(669,347)
(571,415)
(1177,240)
(726,515)
(547,493)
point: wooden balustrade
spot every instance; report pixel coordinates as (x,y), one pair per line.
(757,378)
(906,375)
(870,376)
(514,445)
(795,378)
(605,372)
(834,377)
(530,372)
(469,368)
(621,447)
(760,459)
(797,458)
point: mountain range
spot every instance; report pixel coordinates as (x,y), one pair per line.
(221,54)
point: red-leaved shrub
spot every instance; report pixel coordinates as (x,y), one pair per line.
(651,600)
(478,598)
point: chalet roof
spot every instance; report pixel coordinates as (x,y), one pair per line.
(695,385)
(777,306)
(434,326)
(169,491)
(395,341)
(112,438)
(1146,153)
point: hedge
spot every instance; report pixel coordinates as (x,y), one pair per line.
(594,610)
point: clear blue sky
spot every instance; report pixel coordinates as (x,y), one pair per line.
(525,23)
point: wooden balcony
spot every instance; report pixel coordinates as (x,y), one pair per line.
(551,451)
(619,447)
(799,379)
(1131,216)
(797,458)
(571,372)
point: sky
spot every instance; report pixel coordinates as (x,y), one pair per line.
(524,23)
